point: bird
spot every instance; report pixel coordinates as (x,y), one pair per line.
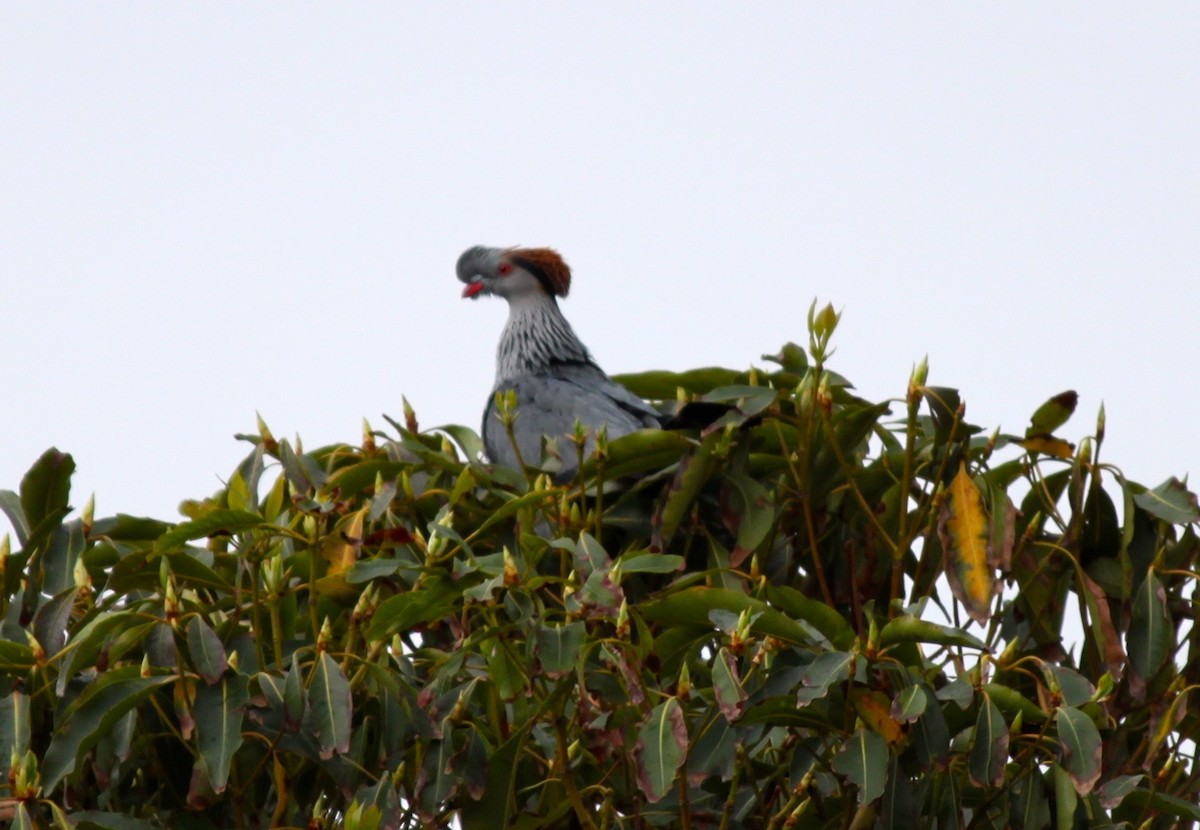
(555,379)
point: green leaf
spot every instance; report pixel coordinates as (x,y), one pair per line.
(930,733)
(1170,501)
(661,749)
(1052,414)
(1081,748)
(754,515)
(826,620)
(295,696)
(828,668)
(87,642)
(727,685)
(750,400)
(494,808)
(10,503)
(210,524)
(14,728)
(943,404)
(558,647)
(128,528)
(22,820)
(219,710)
(505,672)
(692,606)
(92,715)
(1065,798)
(989,751)
(638,452)
(913,630)
(650,563)
(959,691)
(909,704)
(791,357)
(66,545)
(46,488)
(1151,636)
(1141,800)
(1010,702)
(206,651)
(662,386)
(402,612)
(1113,791)
(52,619)
(1075,688)
(864,761)
(509,509)
(329,707)
(694,471)
(1030,803)
(467,439)
(352,480)
(302,471)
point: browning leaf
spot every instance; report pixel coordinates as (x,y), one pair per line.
(964,528)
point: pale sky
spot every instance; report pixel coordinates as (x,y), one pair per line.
(208,210)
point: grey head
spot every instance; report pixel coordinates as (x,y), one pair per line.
(513,273)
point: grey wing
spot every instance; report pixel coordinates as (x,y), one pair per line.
(591,378)
(549,405)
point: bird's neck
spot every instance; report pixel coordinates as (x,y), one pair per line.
(536,339)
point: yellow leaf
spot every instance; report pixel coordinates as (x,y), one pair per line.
(964,528)
(1048,445)
(875,710)
(340,548)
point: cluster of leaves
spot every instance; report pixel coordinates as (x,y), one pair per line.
(741,626)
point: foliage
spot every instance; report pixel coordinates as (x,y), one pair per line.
(744,626)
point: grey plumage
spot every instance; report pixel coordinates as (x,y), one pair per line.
(554,378)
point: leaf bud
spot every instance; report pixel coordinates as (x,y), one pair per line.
(804,395)
(683,689)
(824,396)
(80,574)
(23,773)
(916,381)
(601,442)
(39,653)
(410,417)
(511,575)
(365,605)
(579,433)
(171,604)
(264,433)
(622,628)
(1084,454)
(324,636)
(272,574)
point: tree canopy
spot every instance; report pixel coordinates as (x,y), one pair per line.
(816,611)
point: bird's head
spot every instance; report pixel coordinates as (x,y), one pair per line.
(513,272)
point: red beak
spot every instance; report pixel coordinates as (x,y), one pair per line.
(472,289)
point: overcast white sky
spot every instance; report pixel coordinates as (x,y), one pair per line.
(212,209)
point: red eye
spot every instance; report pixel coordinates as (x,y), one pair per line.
(505,269)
